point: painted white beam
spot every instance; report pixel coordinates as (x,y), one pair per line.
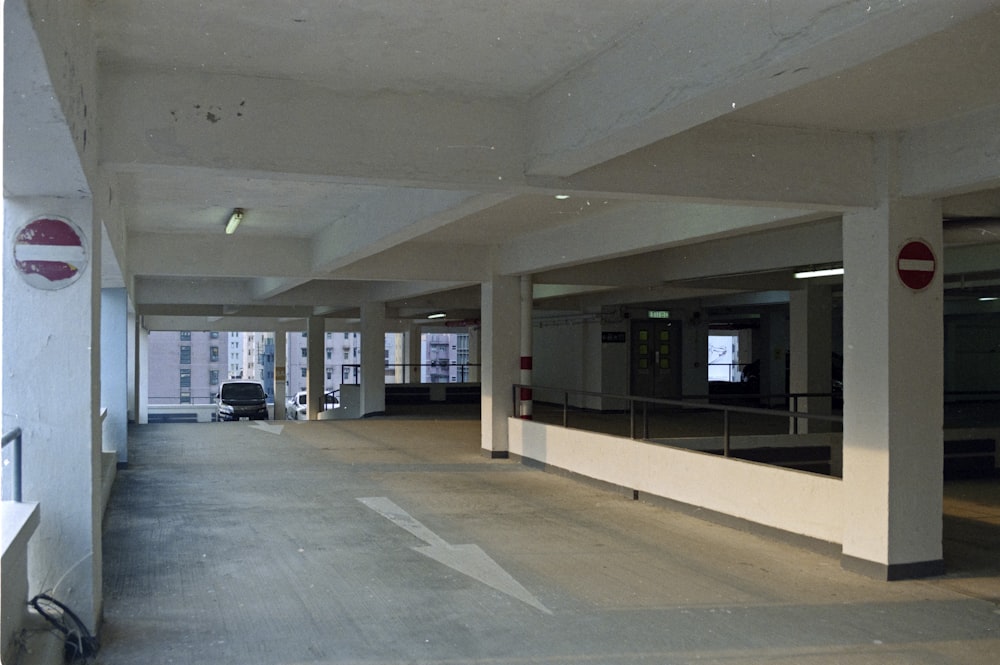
(399,292)
(817,242)
(738,162)
(666,78)
(422,261)
(38,136)
(218,255)
(951,157)
(636,227)
(193,118)
(382,223)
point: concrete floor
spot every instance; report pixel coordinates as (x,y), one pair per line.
(237,543)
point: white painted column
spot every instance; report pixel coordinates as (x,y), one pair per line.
(114,371)
(475,358)
(52,392)
(315,348)
(414,359)
(141,376)
(810,325)
(893,384)
(501,313)
(372,359)
(280,373)
(525,406)
(694,352)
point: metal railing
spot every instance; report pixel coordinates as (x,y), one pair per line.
(13,438)
(639,408)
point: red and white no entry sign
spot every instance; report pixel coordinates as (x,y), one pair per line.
(50,252)
(916,264)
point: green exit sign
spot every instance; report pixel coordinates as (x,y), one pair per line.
(658,314)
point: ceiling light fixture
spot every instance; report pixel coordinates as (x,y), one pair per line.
(234,220)
(437,315)
(826,272)
(987,299)
(562,197)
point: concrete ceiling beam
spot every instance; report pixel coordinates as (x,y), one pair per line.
(254,124)
(666,77)
(952,157)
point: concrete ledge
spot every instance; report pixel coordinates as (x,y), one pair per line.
(823,547)
(19,521)
(800,503)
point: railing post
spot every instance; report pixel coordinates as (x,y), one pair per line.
(565,409)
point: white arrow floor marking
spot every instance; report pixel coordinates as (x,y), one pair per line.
(267,427)
(469,560)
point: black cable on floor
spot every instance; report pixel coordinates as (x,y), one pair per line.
(78,642)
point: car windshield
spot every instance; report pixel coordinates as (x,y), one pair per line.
(242,391)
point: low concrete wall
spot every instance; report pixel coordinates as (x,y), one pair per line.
(800,503)
(18,521)
(194,413)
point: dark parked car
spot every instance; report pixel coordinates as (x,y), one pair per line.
(242,399)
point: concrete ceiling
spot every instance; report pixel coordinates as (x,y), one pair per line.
(405,151)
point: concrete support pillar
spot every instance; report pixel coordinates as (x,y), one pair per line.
(475,357)
(527,300)
(372,359)
(893,383)
(114,372)
(54,354)
(694,352)
(501,325)
(315,348)
(810,324)
(280,373)
(140,377)
(415,360)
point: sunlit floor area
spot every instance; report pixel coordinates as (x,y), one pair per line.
(395,541)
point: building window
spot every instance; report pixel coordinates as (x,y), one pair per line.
(185,335)
(329,353)
(186,377)
(304,369)
(185,397)
(329,374)
(305,352)
(213,354)
(213,377)
(185,355)
(347,354)
(213,335)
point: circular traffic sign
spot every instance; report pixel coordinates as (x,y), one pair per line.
(50,252)
(916,265)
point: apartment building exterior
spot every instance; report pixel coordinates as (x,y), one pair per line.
(187,366)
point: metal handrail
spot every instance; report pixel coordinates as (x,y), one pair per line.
(632,400)
(14,437)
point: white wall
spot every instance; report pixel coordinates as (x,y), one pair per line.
(801,503)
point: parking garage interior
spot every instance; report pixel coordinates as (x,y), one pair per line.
(599,195)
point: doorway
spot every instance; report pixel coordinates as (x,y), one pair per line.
(655,359)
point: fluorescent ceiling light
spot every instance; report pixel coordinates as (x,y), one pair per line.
(234,220)
(827,272)
(437,315)
(562,197)
(987,298)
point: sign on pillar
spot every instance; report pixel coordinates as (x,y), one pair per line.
(50,252)
(915,264)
